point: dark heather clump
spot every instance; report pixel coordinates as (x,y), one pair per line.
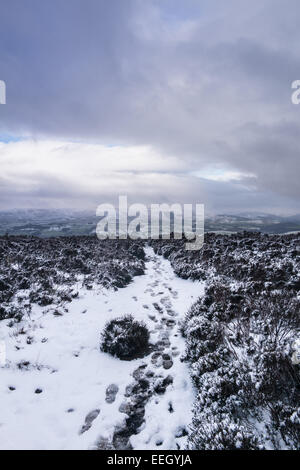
(47,271)
(240,339)
(125,338)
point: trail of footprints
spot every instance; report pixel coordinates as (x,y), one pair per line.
(152,378)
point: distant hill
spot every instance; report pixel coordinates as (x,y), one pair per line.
(265,223)
(49,223)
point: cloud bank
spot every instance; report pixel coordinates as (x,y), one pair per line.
(170,100)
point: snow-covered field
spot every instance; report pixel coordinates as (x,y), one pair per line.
(53,387)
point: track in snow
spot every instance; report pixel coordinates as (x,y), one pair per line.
(87,399)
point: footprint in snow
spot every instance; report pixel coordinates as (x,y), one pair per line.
(152,317)
(111,393)
(90,417)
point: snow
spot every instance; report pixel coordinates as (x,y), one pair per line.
(296,353)
(65,363)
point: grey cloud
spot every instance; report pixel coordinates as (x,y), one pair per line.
(55,192)
(208,82)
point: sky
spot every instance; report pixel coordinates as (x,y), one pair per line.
(161,100)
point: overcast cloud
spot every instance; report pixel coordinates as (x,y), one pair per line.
(161,100)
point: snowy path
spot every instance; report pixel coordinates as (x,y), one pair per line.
(58,391)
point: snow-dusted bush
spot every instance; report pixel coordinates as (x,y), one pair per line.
(137,250)
(44,271)
(221,432)
(239,348)
(125,338)
(254,258)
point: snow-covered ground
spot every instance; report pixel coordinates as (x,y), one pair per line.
(53,387)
